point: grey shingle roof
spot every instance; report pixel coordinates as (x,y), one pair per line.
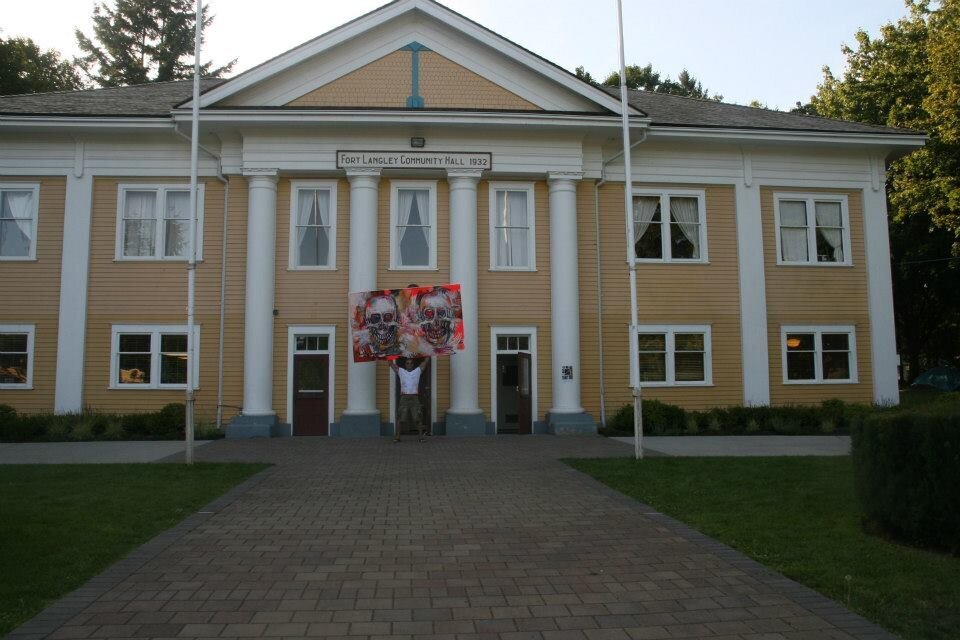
(152,99)
(158,98)
(678,111)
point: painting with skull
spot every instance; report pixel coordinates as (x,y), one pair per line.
(412,322)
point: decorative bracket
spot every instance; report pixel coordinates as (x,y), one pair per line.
(414,100)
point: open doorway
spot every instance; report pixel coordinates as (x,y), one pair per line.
(513,378)
(427,399)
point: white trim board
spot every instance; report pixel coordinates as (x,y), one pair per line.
(330,331)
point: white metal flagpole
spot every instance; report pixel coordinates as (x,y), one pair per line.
(631,263)
(192,263)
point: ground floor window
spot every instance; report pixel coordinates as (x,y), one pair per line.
(151,357)
(674,355)
(819,354)
(16,356)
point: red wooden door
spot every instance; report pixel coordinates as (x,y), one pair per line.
(310,394)
(524,394)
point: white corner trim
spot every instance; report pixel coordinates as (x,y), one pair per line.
(818,331)
(810,199)
(528,188)
(431,187)
(154,330)
(754,350)
(328,330)
(160,231)
(34,189)
(670,331)
(295,186)
(74,267)
(30,330)
(514,330)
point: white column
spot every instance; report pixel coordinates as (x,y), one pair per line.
(258,310)
(74,266)
(465,416)
(361,416)
(753,291)
(883,339)
(567,414)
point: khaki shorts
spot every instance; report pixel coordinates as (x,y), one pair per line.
(410,410)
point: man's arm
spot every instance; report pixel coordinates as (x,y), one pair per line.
(423,365)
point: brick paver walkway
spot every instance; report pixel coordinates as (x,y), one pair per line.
(454,538)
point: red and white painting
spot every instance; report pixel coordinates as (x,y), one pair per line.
(401,323)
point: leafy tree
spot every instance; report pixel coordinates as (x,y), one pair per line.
(24,68)
(141,41)
(646,79)
(910,77)
(584,75)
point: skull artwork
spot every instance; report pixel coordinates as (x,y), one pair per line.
(435,313)
(383,323)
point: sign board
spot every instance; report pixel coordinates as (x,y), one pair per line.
(414,160)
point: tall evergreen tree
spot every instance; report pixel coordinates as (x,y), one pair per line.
(24,68)
(139,41)
(646,79)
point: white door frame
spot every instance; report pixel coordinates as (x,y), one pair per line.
(513,330)
(328,330)
(433,394)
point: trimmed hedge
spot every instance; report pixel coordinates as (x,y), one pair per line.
(661,419)
(907,475)
(165,424)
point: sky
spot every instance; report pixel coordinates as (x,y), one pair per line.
(766,50)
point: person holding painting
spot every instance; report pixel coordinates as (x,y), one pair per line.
(409,408)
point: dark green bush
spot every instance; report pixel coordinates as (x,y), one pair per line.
(907,474)
(7,415)
(165,424)
(658,419)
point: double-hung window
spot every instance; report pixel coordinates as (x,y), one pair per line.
(18,221)
(669,226)
(413,225)
(812,229)
(313,225)
(819,354)
(152,357)
(16,356)
(675,355)
(512,228)
(153,222)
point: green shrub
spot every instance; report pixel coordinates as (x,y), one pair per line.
(907,474)
(8,415)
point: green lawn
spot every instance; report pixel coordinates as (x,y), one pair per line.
(800,517)
(62,524)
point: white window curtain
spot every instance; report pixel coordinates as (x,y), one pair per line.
(793,231)
(686,213)
(139,224)
(313,221)
(644,209)
(830,227)
(512,229)
(413,223)
(16,223)
(177,224)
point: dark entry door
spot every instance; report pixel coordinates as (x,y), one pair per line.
(310,394)
(426,400)
(524,394)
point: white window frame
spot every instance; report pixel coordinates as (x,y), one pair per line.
(328,330)
(35,188)
(30,330)
(160,231)
(666,227)
(155,330)
(295,187)
(670,330)
(395,186)
(818,331)
(530,331)
(810,199)
(527,187)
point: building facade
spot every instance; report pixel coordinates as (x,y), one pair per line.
(414,146)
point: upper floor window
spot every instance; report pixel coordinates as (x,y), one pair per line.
(512,229)
(675,355)
(812,229)
(16,356)
(670,226)
(313,225)
(413,229)
(153,222)
(819,354)
(152,357)
(18,221)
